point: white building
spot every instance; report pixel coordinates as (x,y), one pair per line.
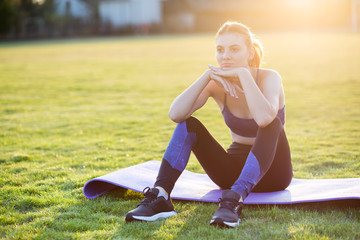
(75,8)
(116,12)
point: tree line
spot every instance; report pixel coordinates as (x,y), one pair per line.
(21,19)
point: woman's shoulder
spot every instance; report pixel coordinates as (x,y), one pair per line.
(269,75)
(267,72)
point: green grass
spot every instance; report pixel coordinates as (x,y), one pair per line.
(72,110)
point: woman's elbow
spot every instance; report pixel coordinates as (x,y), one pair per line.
(263,123)
(174,117)
(267,121)
(266,118)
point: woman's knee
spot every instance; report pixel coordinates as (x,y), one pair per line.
(268,133)
(193,124)
(275,124)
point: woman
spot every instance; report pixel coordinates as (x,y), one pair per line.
(252,102)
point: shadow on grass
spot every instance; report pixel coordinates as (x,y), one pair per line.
(192,220)
(99,218)
(104,218)
(316,206)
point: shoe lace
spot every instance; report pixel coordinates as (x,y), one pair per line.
(231,204)
(228,203)
(149,197)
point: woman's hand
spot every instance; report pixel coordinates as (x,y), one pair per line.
(228,79)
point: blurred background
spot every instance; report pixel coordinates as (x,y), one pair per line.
(39,19)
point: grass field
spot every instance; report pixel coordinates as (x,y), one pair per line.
(72,110)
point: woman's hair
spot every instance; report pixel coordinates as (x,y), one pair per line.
(251,42)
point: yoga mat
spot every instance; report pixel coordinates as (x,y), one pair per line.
(199,187)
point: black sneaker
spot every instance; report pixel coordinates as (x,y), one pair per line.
(151,208)
(228,213)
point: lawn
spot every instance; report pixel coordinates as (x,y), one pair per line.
(72,110)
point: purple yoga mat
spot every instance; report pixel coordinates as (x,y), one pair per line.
(199,187)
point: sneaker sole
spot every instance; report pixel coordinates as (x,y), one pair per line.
(220,223)
(152,218)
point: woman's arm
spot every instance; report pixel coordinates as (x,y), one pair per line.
(263,104)
(193,98)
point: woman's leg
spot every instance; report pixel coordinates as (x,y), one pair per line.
(188,135)
(261,158)
(280,173)
(192,135)
(268,163)
(221,166)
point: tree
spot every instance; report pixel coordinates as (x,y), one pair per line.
(8,15)
(17,15)
(94,8)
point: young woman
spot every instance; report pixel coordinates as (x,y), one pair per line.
(252,102)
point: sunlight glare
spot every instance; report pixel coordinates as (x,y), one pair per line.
(40,2)
(301,3)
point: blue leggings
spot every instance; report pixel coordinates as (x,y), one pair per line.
(262,167)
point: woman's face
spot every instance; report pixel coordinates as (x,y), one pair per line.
(231,51)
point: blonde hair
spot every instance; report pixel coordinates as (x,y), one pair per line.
(251,42)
